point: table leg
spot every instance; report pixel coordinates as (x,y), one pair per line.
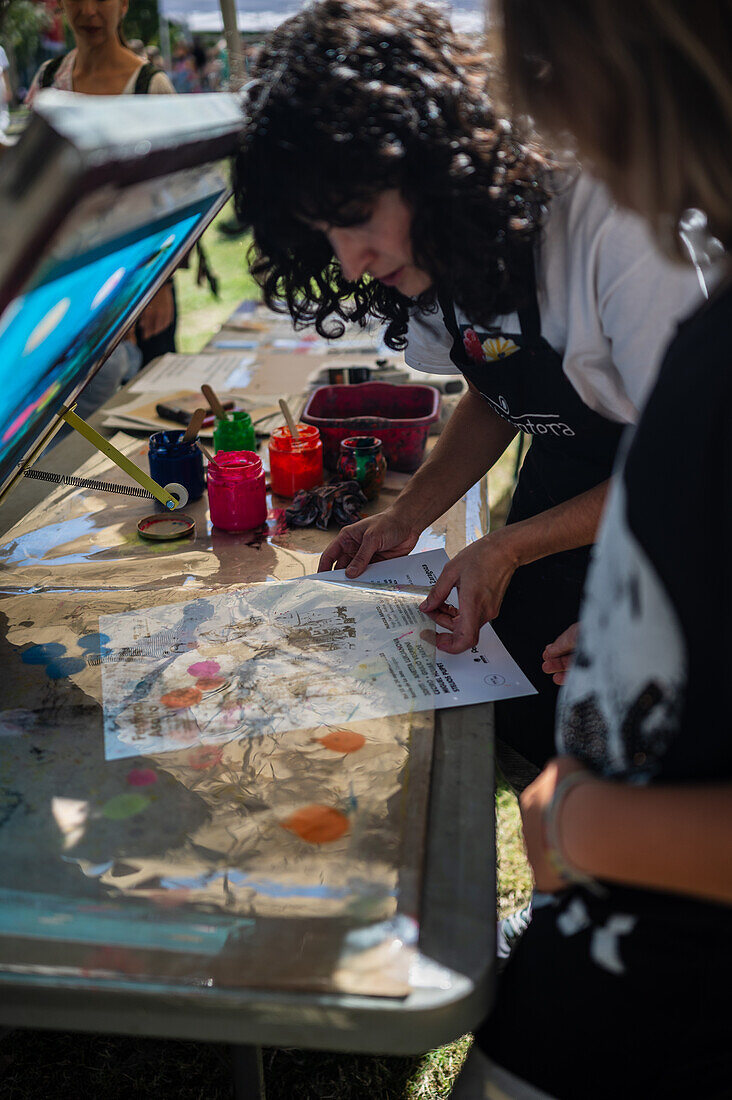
(247,1072)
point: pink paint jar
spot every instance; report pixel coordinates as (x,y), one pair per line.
(237,496)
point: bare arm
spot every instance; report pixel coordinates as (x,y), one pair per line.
(674,838)
(483,570)
(472,440)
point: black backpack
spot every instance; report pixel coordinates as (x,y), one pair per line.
(142,84)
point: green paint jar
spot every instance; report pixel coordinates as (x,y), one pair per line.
(236,433)
(361,460)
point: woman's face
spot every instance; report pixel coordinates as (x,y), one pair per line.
(379,244)
(94,22)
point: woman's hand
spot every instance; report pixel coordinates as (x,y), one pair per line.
(534,802)
(376,538)
(158,314)
(481,574)
(558,655)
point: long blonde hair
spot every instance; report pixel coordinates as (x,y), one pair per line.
(645,86)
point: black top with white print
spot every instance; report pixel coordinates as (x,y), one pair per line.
(650,695)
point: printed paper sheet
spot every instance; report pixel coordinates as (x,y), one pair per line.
(226,371)
(269,658)
(483,674)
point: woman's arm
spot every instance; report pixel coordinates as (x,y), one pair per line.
(471,442)
(674,838)
(483,570)
(473,439)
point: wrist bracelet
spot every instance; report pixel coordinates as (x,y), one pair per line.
(555,855)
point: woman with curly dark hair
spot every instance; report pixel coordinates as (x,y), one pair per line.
(380,183)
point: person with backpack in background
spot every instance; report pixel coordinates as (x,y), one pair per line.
(101,63)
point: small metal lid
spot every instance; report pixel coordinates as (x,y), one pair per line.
(164,526)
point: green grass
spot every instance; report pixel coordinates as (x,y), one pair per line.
(199,313)
(40,1065)
(44,1064)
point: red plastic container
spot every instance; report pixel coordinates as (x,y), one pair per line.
(399,415)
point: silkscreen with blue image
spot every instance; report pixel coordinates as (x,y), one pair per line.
(52,336)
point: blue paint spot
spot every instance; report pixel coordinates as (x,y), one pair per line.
(64,666)
(94,644)
(42,654)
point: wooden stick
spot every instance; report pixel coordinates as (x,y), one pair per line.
(216,407)
(290,422)
(205,451)
(194,426)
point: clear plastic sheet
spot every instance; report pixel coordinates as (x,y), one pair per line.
(289,858)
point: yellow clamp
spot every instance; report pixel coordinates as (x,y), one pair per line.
(117,457)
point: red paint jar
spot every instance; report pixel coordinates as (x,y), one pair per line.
(294,466)
(237,496)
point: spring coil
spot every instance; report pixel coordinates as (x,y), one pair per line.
(88,483)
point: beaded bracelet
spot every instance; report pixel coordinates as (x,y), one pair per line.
(555,855)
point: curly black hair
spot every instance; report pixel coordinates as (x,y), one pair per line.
(354,97)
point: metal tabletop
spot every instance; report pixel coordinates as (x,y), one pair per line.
(456,929)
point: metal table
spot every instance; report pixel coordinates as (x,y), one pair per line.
(456,924)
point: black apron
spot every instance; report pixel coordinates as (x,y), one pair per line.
(572,450)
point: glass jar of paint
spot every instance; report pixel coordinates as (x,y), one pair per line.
(295,465)
(171,459)
(236,433)
(237,496)
(361,460)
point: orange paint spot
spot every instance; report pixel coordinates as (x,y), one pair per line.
(210,683)
(317,824)
(181,697)
(206,756)
(343,741)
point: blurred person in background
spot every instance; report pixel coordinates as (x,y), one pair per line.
(138,48)
(102,64)
(6,91)
(620,986)
(155,56)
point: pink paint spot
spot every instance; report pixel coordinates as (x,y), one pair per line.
(141,777)
(25,415)
(204,668)
(207,756)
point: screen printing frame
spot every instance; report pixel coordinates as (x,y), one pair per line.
(76,146)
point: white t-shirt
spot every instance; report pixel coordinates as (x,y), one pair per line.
(609,302)
(63,80)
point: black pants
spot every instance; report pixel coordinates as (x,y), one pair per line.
(599,1005)
(161,342)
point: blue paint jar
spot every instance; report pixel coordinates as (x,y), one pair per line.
(172,460)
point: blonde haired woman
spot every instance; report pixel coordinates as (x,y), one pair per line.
(620,986)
